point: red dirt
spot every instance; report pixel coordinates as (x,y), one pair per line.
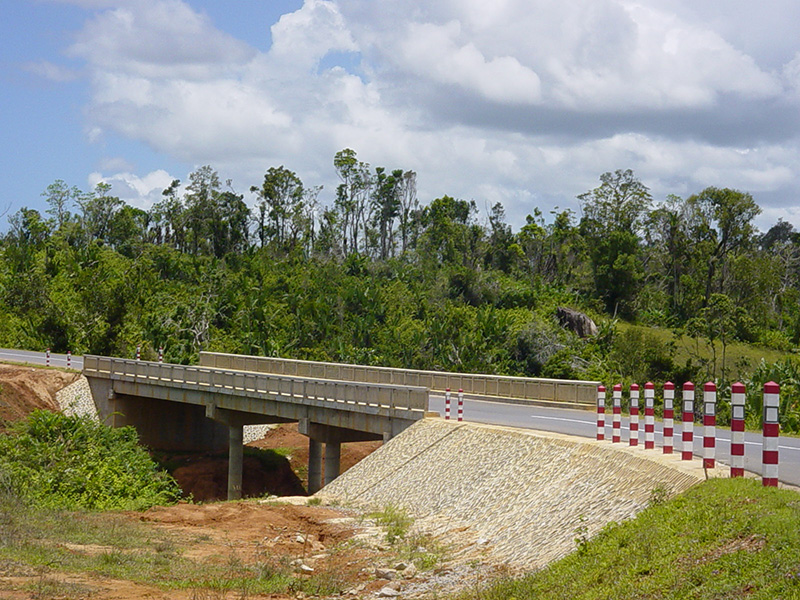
(25,389)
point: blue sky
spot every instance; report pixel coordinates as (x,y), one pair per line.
(524,102)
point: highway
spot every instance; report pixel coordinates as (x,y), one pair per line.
(559,420)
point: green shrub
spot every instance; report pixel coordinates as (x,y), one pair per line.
(56,461)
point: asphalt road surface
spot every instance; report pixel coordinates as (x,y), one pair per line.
(581,423)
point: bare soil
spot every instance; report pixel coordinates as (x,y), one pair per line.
(25,389)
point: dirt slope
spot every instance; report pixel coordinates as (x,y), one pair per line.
(25,389)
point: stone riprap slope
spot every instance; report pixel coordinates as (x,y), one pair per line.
(509,496)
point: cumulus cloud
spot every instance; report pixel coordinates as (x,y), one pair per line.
(140,192)
(51,71)
(518,101)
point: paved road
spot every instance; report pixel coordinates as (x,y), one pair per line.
(39,358)
(584,424)
(559,420)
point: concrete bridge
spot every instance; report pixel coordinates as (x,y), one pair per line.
(177,407)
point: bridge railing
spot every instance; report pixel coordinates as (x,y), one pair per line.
(570,392)
(287,388)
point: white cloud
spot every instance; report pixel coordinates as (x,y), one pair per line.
(140,192)
(518,101)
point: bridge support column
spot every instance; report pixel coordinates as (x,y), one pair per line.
(333,453)
(314,466)
(235,460)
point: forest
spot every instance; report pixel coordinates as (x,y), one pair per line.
(379,277)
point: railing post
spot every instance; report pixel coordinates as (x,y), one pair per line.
(669,415)
(617,416)
(634,418)
(687,433)
(601,412)
(737,429)
(709,424)
(649,417)
(771,432)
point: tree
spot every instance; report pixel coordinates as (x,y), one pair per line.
(60,198)
(280,199)
(619,203)
(351,198)
(722,222)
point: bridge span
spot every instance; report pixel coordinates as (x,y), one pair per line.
(177,407)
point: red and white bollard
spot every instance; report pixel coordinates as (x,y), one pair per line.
(47,354)
(772,403)
(737,429)
(138,353)
(634,421)
(687,434)
(460,405)
(669,416)
(161,354)
(601,412)
(69,359)
(649,416)
(617,417)
(709,425)
(447,404)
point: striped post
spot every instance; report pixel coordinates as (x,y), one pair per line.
(161,354)
(634,408)
(601,412)
(649,416)
(69,359)
(709,424)
(138,353)
(669,416)
(771,432)
(617,417)
(687,435)
(460,405)
(447,404)
(47,354)
(737,429)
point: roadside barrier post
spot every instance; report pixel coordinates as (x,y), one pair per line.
(47,362)
(737,429)
(161,354)
(460,405)
(634,420)
(709,424)
(447,404)
(687,434)
(601,412)
(771,432)
(69,359)
(617,417)
(138,353)
(649,416)
(669,416)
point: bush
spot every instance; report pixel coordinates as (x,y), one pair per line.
(56,461)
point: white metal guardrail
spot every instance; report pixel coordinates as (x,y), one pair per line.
(565,391)
(358,396)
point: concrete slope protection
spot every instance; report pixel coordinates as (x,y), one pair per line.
(511,497)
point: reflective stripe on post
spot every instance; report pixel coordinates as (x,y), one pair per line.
(601,412)
(737,429)
(771,432)
(47,362)
(649,416)
(460,405)
(633,439)
(617,417)
(687,418)
(669,415)
(709,424)
(138,352)
(161,354)
(447,404)
(69,359)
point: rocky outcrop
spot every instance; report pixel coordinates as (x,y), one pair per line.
(576,321)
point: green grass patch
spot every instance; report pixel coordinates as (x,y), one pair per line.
(726,538)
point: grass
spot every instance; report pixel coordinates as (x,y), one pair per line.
(726,538)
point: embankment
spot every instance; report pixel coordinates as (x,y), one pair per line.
(509,496)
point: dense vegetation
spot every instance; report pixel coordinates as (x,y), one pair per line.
(726,538)
(376,277)
(50,460)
